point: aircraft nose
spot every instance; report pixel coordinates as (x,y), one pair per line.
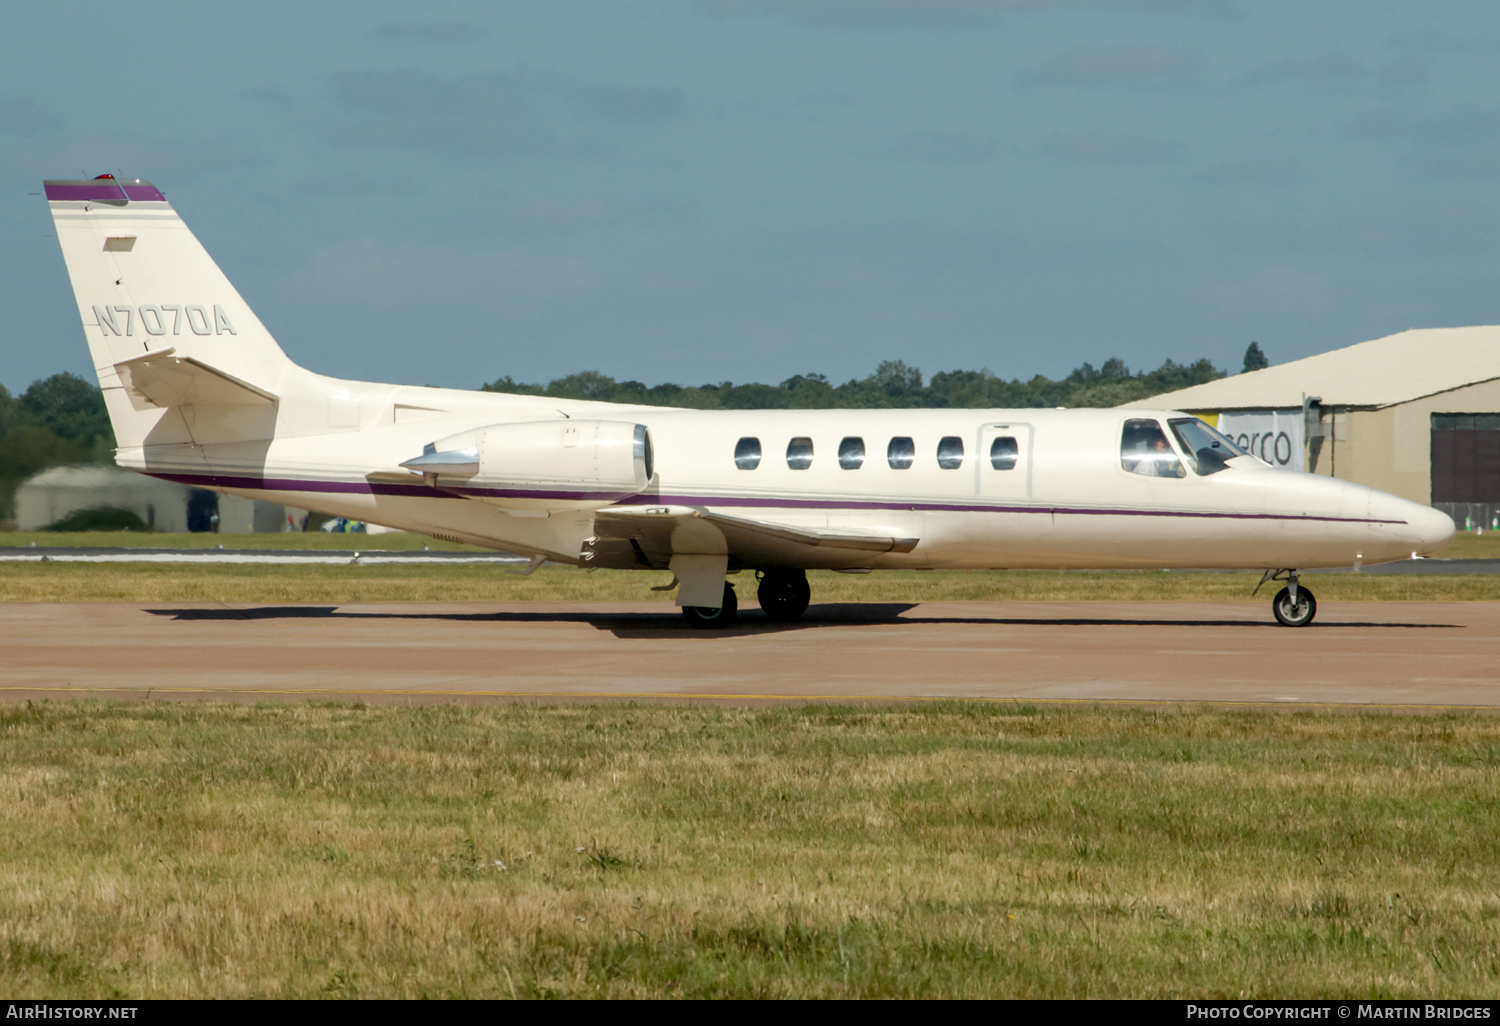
(1426,531)
(1432,529)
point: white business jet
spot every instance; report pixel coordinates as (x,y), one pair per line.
(199,392)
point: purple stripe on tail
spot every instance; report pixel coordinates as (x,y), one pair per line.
(139,190)
(103,189)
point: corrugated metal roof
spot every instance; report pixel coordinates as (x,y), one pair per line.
(1383,372)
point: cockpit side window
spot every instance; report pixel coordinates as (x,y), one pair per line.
(1144,450)
(1207,451)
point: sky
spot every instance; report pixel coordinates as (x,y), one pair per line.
(707,190)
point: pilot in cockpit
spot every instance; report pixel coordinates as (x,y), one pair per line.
(1144,450)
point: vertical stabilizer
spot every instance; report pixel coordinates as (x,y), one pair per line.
(144,284)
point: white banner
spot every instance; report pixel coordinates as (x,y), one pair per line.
(1276,436)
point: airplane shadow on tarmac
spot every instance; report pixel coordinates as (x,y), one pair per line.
(669,623)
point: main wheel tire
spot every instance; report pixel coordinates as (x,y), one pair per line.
(1299,615)
(705,619)
(784,594)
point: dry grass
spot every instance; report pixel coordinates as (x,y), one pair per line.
(955,850)
(1468,545)
(146,582)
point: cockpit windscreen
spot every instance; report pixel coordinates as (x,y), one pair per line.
(1206,449)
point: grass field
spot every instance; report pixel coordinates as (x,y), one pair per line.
(71,582)
(1467,545)
(173,850)
(148,582)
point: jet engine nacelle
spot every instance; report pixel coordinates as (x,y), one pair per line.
(551,464)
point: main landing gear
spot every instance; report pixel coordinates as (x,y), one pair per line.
(1294,605)
(783,594)
(705,618)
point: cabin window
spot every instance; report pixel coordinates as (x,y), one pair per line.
(799,453)
(1003,453)
(1207,451)
(1144,450)
(950,452)
(852,453)
(900,453)
(747,453)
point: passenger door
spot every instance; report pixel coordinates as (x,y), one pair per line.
(1003,465)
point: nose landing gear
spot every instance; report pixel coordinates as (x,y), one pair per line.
(1294,608)
(1294,605)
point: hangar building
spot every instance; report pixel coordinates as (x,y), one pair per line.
(163,505)
(1415,414)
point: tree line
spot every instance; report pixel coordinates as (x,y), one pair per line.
(61,420)
(894,384)
(56,422)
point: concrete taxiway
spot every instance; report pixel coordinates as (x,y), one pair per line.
(1422,655)
(375,557)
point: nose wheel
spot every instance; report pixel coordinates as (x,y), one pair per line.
(1294,611)
(1294,605)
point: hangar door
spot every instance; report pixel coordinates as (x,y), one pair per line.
(1466,457)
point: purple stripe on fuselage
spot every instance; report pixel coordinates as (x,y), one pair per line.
(274,484)
(953,507)
(278,484)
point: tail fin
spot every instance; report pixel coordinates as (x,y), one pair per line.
(166,330)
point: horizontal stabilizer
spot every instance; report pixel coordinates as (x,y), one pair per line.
(743,535)
(164,380)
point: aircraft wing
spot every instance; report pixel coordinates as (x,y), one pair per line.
(163,379)
(665,530)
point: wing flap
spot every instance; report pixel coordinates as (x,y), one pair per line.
(656,527)
(164,379)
